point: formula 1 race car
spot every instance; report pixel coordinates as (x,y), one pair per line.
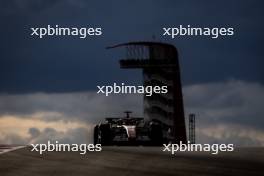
(128,131)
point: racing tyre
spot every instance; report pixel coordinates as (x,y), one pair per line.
(156,134)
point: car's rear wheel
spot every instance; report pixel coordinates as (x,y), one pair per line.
(156,134)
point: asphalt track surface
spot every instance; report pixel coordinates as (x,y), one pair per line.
(136,161)
(9,148)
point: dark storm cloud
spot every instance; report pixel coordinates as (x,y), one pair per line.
(68,64)
(34,132)
(83,106)
(71,136)
(13,139)
(232,102)
(12,7)
(227,112)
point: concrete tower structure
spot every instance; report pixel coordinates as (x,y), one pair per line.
(160,65)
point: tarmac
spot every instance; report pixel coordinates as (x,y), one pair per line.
(136,161)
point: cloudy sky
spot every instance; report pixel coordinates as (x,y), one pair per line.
(47,86)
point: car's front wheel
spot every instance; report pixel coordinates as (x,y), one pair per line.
(102,135)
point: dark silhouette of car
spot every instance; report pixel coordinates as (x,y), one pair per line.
(128,131)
